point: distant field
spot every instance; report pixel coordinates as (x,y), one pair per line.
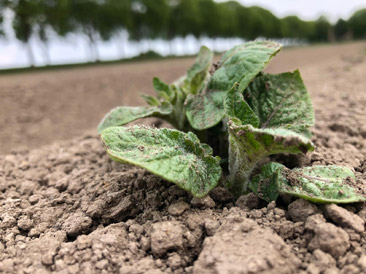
(40,107)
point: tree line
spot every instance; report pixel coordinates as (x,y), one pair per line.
(165,19)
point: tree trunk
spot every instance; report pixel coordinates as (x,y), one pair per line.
(141,46)
(171,46)
(30,55)
(149,44)
(121,44)
(97,57)
(121,49)
(46,53)
(94,53)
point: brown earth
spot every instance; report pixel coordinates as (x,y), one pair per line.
(66,208)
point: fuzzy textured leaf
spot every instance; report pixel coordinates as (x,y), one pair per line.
(123,115)
(281,107)
(249,145)
(281,101)
(240,64)
(205,109)
(265,184)
(179,111)
(151,100)
(239,110)
(173,155)
(198,73)
(320,184)
(163,90)
(270,140)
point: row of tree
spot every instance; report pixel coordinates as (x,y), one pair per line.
(165,19)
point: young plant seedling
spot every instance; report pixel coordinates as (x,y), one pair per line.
(250,114)
(170,101)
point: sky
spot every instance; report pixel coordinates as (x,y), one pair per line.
(309,9)
(75,47)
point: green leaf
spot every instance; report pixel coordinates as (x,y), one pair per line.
(320,184)
(249,145)
(237,109)
(163,90)
(205,109)
(150,100)
(179,111)
(198,74)
(283,111)
(203,62)
(281,101)
(264,185)
(240,64)
(252,45)
(180,81)
(270,140)
(173,155)
(123,115)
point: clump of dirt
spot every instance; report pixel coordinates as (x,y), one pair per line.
(242,246)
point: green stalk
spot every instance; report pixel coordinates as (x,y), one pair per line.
(241,165)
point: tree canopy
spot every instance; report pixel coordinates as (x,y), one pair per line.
(357,24)
(166,19)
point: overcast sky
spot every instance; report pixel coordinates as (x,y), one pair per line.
(309,9)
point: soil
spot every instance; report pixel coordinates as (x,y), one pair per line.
(66,208)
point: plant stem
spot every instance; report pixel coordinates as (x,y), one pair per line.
(241,165)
